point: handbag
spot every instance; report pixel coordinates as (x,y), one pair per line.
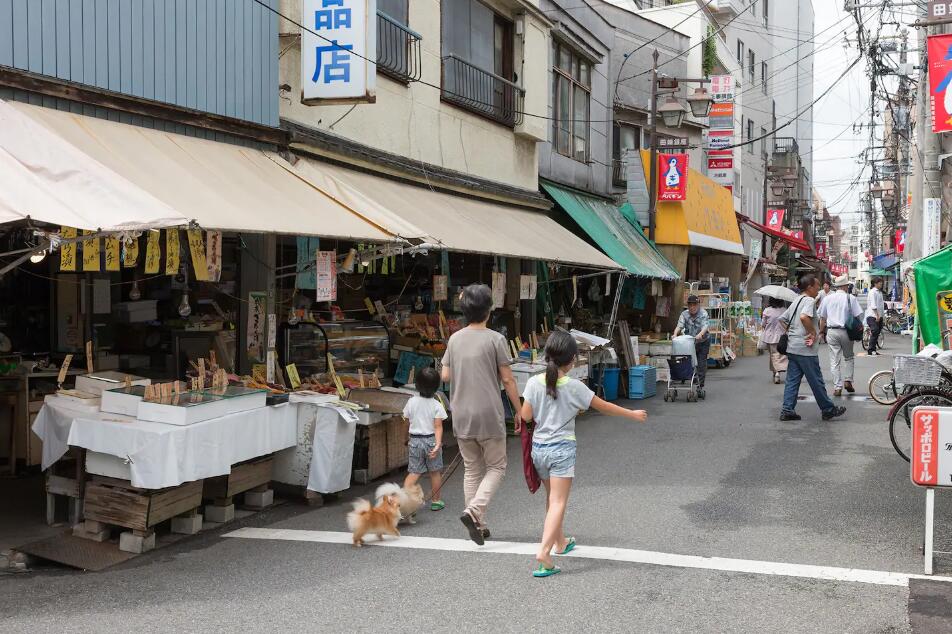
(784,339)
(854,329)
(533,481)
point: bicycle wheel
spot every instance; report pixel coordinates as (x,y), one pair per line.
(883,389)
(900,416)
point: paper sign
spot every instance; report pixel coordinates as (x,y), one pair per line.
(259,373)
(256,325)
(380,308)
(213,255)
(325,271)
(370,306)
(499,290)
(90,254)
(293,376)
(68,250)
(112,254)
(130,253)
(527,287)
(197,248)
(153,254)
(272,330)
(64,369)
(440,288)
(940,67)
(171,252)
(407,361)
(272,363)
(89,357)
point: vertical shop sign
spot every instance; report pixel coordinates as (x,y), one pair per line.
(900,241)
(931,221)
(528,286)
(325,271)
(722,88)
(171,252)
(940,81)
(440,288)
(672,177)
(152,253)
(338,44)
(213,255)
(925,447)
(306,248)
(68,249)
(90,253)
(197,248)
(499,290)
(257,305)
(130,253)
(112,254)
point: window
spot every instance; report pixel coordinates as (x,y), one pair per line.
(766,6)
(763,77)
(625,137)
(740,53)
(478,74)
(396,9)
(750,135)
(763,142)
(751,66)
(571,96)
(398,48)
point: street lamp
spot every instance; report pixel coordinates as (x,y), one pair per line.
(778,189)
(672,112)
(700,102)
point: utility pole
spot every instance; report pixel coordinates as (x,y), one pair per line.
(653,168)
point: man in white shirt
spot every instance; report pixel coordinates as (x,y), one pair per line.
(875,310)
(823,293)
(836,312)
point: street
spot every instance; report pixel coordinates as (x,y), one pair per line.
(720,479)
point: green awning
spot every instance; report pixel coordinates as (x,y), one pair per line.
(879,273)
(614,232)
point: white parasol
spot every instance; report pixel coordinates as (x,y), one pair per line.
(777,292)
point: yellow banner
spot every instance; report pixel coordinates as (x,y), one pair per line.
(153,254)
(171,252)
(197,248)
(112,254)
(130,255)
(68,250)
(90,253)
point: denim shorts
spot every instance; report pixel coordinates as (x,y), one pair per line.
(420,461)
(554,459)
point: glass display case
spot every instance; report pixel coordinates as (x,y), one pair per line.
(354,345)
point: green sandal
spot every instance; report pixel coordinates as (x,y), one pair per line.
(542,571)
(438,506)
(569,547)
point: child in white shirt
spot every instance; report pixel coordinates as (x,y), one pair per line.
(426,415)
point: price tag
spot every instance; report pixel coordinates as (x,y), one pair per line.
(153,253)
(130,253)
(64,369)
(112,254)
(68,250)
(293,376)
(196,247)
(91,254)
(171,252)
(259,373)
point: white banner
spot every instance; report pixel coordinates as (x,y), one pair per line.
(931,225)
(325,272)
(339,38)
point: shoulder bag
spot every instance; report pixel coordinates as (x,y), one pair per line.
(784,339)
(855,327)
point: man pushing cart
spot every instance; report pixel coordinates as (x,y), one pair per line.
(694,321)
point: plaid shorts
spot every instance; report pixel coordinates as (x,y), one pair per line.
(420,461)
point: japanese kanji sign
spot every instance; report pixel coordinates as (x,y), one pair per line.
(722,88)
(68,250)
(112,254)
(196,247)
(153,253)
(932,446)
(672,177)
(91,254)
(257,307)
(940,9)
(130,253)
(338,42)
(171,252)
(325,271)
(940,80)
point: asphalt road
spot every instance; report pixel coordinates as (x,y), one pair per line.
(722,478)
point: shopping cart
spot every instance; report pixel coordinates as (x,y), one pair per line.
(682,377)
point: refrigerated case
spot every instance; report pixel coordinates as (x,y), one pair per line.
(354,345)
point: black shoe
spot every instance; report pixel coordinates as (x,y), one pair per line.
(485,532)
(789,416)
(836,412)
(475,533)
(849,386)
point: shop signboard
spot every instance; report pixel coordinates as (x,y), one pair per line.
(338,44)
(943,300)
(499,290)
(720,163)
(775,219)
(931,219)
(440,288)
(257,307)
(672,177)
(900,241)
(720,140)
(721,116)
(931,464)
(821,250)
(528,286)
(940,9)
(940,81)
(722,88)
(325,272)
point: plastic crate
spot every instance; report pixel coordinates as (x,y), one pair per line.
(642,381)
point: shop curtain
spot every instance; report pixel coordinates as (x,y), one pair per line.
(933,274)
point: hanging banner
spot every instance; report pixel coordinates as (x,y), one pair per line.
(900,241)
(153,254)
(90,254)
(528,286)
(130,253)
(931,223)
(499,290)
(722,88)
(339,39)
(821,250)
(171,252)
(196,247)
(68,249)
(775,219)
(213,255)
(257,305)
(112,254)
(306,248)
(940,81)
(325,271)
(672,177)
(440,289)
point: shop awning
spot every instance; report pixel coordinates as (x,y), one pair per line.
(797,243)
(706,219)
(445,221)
(607,225)
(217,185)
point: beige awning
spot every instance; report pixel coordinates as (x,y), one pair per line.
(451,222)
(218,185)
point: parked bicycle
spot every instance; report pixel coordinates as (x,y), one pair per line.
(895,321)
(866,336)
(883,387)
(925,383)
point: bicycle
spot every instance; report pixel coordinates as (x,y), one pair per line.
(867,335)
(883,387)
(895,322)
(926,382)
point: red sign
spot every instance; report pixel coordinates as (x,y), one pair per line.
(672,177)
(940,82)
(821,250)
(925,446)
(798,235)
(900,241)
(720,163)
(775,219)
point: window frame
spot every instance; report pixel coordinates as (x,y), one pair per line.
(565,140)
(750,135)
(752,66)
(765,12)
(741,49)
(763,75)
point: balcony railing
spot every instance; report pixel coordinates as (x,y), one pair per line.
(482,92)
(398,50)
(619,177)
(786,145)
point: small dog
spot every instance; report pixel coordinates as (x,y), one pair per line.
(411,499)
(381,519)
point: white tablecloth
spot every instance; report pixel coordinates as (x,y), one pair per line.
(163,455)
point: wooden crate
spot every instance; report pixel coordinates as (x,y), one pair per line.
(117,502)
(398,432)
(377,450)
(243,477)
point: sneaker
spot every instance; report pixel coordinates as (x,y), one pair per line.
(836,412)
(789,416)
(438,506)
(848,385)
(838,391)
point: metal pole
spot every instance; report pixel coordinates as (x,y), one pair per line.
(930,525)
(653,168)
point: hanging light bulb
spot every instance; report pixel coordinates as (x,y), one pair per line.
(184,308)
(134,292)
(38,257)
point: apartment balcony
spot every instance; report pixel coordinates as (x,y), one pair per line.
(398,50)
(482,92)
(786,145)
(726,7)
(619,176)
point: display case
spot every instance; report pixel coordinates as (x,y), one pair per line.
(354,345)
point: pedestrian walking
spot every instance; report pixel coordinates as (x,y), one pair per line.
(694,321)
(475,363)
(875,311)
(803,339)
(770,336)
(836,313)
(823,293)
(425,446)
(553,400)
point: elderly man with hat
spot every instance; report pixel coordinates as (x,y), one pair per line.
(836,313)
(695,322)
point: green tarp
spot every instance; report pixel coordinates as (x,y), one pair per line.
(933,274)
(616,232)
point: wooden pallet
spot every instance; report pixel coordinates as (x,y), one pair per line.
(243,477)
(117,502)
